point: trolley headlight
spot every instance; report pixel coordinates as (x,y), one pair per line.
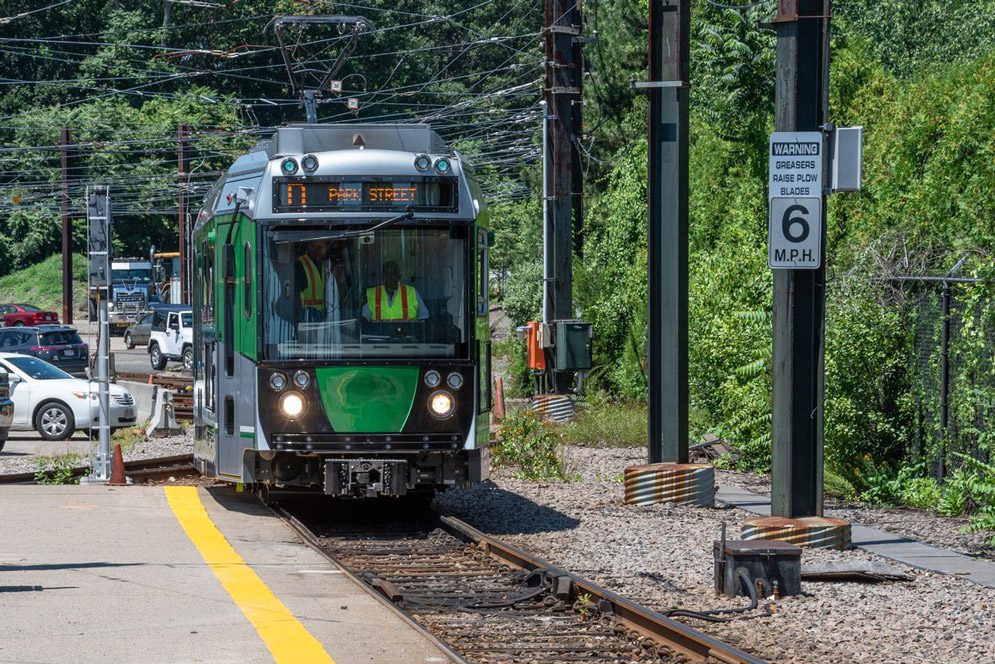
(432,378)
(289,166)
(423,162)
(443,166)
(441,404)
(292,404)
(277,381)
(309,163)
(302,379)
(454,380)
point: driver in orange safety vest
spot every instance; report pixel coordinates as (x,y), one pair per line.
(311,280)
(393,300)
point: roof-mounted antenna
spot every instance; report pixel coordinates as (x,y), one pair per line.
(302,60)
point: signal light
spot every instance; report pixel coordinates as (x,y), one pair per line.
(309,163)
(423,162)
(289,166)
(442,165)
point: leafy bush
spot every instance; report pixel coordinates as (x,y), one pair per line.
(531,445)
(920,492)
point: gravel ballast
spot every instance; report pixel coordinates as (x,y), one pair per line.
(147,449)
(661,556)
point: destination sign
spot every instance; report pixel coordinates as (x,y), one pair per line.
(306,194)
(795,164)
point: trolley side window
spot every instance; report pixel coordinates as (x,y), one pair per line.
(247,272)
(482,273)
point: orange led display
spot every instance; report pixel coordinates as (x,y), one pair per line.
(296,194)
(391,194)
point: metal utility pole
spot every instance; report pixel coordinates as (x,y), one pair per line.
(67,228)
(669,46)
(799,294)
(182,168)
(562,29)
(98,212)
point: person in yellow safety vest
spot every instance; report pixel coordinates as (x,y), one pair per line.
(393,300)
(310,276)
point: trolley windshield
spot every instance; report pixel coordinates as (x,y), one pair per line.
(337,293)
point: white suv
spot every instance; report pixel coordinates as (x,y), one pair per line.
(171,337)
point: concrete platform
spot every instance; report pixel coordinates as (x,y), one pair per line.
(885,544)
(102,574)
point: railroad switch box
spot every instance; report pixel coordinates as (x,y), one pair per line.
(767,560)
(573,345)
(533,345)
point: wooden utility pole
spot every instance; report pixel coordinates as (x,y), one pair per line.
(669,46)
(67,236)
(562,28)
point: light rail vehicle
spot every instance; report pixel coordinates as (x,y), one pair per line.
(341,316)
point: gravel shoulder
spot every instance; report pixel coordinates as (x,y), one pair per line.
(661,556)
(146,449)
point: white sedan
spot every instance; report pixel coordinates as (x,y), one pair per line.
(55,404)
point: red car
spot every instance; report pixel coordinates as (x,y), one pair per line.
(17,315)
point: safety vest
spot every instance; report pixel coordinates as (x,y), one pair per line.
(313,295)
(404,306)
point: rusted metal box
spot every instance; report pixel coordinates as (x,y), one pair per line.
(768,560)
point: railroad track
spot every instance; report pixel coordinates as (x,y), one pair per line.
(141,470)
(181,386)
(492,602)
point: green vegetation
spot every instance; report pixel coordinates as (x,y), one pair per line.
(530,445)
(41,285)
(602,423)
(58,469)
(128,437)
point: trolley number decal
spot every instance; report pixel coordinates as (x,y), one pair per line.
(309,195)
(795,233)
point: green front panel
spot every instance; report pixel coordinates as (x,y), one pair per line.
(367,399)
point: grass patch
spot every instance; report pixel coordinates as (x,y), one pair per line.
(601,423)
(127,438)
(41,285)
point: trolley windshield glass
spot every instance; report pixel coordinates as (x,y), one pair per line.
(337,293)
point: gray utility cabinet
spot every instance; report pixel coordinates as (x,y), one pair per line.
(573,345)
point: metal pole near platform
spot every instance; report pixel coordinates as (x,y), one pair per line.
(669,45)
(668,477)
(98,208)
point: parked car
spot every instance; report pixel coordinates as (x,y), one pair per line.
(55,404)
(171,337)
(19,315)
(58,344)
(6,408)
(138,333)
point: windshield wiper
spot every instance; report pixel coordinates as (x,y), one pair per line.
(344,235)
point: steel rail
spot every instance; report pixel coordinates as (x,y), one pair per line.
(689,642)
(144,468)
(312,541)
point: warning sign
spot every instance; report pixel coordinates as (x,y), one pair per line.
(795,164)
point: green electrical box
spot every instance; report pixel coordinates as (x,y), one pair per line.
(573,345)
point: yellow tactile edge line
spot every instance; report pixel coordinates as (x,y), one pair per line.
(283,634)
